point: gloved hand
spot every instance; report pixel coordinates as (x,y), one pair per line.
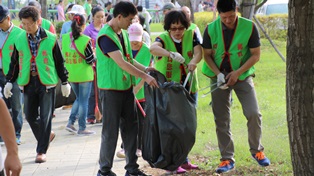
(177,57)
(7,90)
(221,82)
(66,90)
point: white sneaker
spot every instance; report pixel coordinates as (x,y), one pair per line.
(85,132)
(121,154)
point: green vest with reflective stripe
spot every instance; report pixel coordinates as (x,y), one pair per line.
(109,75)
(170,68)
(238,52)
(143,57)
(44,60)
(8,48)
(79,70)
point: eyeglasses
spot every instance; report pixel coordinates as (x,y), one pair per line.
(28,25)
(175,29)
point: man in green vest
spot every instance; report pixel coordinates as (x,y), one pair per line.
(8,35)
(116,69)
(193,26)
(36,64)
(231,49)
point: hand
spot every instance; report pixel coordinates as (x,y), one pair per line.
(232,78)
(151,81)
(66,90)
(7,90)
(177,57)
(12,165)
(191,66)
(221,81)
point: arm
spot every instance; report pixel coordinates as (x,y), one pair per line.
(89,53)
(14,67)
(12,162)
(157,49)
(59,64)
(132,69)
(52,29)
(234,75)
(197,57)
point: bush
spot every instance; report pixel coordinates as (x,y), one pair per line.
(58,26)
(275,25)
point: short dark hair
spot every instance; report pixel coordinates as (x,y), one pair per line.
(29,11)
(35,4)
(226,5)
(176,16)
(125,8)
(109,17)
(139,8)
(96,9)
(107,4)
(141,18)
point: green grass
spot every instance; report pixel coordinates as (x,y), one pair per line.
(270,88)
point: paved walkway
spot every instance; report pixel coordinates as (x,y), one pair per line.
(68,154)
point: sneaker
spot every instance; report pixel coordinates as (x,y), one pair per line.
(18,141)
(121,154)
(225,166)
(138,153)
(189,166)
(109,173)
(85,132)
(71,129)
(137,173)
(91,121)
(179,170)
(261,159)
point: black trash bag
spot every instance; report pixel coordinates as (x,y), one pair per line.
(170,124)
(61,100)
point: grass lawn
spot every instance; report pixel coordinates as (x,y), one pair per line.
(270,88)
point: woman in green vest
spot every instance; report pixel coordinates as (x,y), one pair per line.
(178,52)
(79,57)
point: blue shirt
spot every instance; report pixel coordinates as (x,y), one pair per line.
(66,27)
(3,37)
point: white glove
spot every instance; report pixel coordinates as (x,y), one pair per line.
(66,90)
(177,57)
(221,81)
(7,90)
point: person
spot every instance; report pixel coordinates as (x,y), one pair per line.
(176,59)
(168,6)
(36,64)
(73,9)
(157,17)
(51,14)
(8,35)
(231,49)
(61,15)
(142,11)
(141,53)
(108,7)
(115,68)
(201,6)
(44,23)
(88,8)
(81,74)
(92,30)
(193,26)
(12,163)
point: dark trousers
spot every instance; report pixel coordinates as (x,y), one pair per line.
(2,173)
(141,119)
(37,96)
(118,109)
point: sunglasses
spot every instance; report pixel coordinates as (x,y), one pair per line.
(175,29)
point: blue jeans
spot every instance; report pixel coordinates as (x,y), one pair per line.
(37,96)
(80,105)
(14,105)
(91,103)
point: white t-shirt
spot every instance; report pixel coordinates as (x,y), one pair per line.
(146,38)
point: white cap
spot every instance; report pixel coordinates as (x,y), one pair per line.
(135,31)
(77,9)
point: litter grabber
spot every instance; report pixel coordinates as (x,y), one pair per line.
(190,74)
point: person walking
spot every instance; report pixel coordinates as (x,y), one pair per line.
(88,9)
(178,52)
(116,69)
(60,9)
(81,74)
(36,64)
(231,49)
(12,164)
(72,10)
(92,30)
(8,35)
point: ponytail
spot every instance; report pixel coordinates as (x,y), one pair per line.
(77,25)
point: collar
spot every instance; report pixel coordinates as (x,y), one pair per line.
(9,30)
(41,33)
(37,36)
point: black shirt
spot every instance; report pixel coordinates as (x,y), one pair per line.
(107,45)
(254,42)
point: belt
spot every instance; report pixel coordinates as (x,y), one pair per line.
(34,73)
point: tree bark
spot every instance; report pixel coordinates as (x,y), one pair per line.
(247,8)
(300,85)
(44,9)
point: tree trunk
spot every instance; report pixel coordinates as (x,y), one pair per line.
(247,8)
(44,9)
(300,85)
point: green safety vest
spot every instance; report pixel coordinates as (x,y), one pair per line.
(44,60)
(238,52)
(79,70)
(192,27)
(109,75)
(45,24)
(8,47)
(143,57)
(170,68)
